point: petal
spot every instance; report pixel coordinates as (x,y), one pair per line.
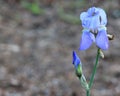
(76,59)
(103,16)
(102,40)
(83,15)
(86,22)
(86,40)
(93,10)
(92,37)
(95,22)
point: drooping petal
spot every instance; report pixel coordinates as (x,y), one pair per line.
(86,40)
(102,40)
(76,60)
(92,36)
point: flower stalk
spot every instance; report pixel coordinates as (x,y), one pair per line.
(93,73)
(87,92)
(94,69)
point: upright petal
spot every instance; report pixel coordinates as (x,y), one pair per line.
(103,16)
(102,40)
(83,15)
(76,60)
(86,40)
(86,22)
(95,22)
(93,11)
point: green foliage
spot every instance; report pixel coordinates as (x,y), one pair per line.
(69,18)
(77,4)
(33,7)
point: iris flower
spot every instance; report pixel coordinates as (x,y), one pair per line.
(94,23)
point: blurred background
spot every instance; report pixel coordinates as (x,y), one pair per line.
(37,38)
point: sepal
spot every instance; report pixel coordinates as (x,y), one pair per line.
(84,82)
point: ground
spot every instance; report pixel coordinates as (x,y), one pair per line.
(36,49)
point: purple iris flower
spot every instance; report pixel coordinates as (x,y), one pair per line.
(76,60)
(94,22)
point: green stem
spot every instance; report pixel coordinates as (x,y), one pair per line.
(87,92)
(94,69)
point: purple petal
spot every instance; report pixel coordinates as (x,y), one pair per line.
(95,22)
(103,16)
(86,40)
(84,19)
(93,10)
(76,59)
(83,15)
(86,22)
(102,40)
